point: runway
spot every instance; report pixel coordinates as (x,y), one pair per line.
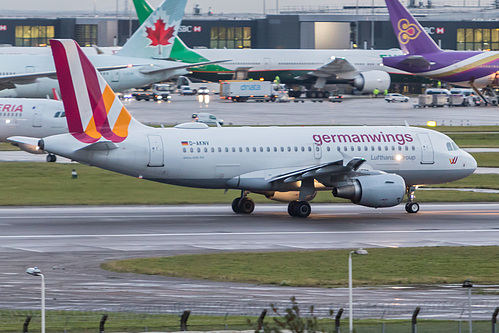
(69,244)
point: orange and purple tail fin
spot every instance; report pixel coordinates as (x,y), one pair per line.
(93,111)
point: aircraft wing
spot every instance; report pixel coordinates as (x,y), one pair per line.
(182,65)
(10,81)
(337,67)
(345,166)
(24,140)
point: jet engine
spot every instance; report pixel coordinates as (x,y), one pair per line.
(366,82)
(287,196)
(385,190)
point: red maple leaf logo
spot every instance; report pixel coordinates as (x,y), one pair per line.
(159,35)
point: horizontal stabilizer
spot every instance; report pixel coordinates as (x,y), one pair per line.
(417,61)
(24,140)
(181,65)
(101,145)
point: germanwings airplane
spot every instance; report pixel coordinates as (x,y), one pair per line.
(361,68)
(141,61)
(423,57)
(372,166)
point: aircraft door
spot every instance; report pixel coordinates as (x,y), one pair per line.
(427,154)
(156,155)
(37,115)
(115,76)
(317,151)
(266,62)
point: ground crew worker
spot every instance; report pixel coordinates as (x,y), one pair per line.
(376,92)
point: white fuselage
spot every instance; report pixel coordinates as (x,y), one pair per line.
(246,158)
(31,117)
(299,59)
(118,79)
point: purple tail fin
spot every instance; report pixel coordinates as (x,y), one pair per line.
(410,34)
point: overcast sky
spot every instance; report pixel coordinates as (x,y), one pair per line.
(224,6)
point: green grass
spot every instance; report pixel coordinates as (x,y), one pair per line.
(7,146)
(11,321)
(450,129)
(51,184)
(412,266)
(490,160)
(475,140)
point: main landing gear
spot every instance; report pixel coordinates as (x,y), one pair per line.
(243,204)
(411,206)
(299,209)
(51,158)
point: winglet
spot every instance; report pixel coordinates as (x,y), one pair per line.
(93,111)
(411,36)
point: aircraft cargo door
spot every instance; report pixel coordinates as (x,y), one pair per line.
(156,157)
(427,156)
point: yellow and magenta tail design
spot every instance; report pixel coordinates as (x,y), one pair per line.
(93,111)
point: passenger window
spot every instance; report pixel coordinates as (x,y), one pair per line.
(219,149)
(400,148)
(199,150)
(254,149)
(192,150)
(345,148)
(226,149)
(205,150)
(296,148)
(338,148)
(247,149)
(275,149)
(379,148)
(185,150)
(302,148)
(393,148)
(240,149)
(328,148)
(386,148)
(233,149)
(289,148)
(372,148)
(309,148)
(413,148)
(268,149)
(352,148)
(406,148)
(359,148)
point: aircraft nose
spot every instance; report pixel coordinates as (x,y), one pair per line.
(470,163)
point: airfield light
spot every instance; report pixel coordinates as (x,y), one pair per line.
(7,121)
(360,251)
(469,285)
(431,123)
(35,271)
(261,79)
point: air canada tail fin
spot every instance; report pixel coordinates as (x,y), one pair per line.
(93,111)
(154,38)
(411,36)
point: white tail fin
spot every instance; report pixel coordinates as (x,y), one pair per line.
(154,38)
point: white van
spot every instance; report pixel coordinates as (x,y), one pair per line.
(207,118)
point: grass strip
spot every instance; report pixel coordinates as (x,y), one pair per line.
(28,184)
(11,321)
(383,266)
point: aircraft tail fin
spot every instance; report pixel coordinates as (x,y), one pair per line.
(154,38)
(411,36)
(143,9)
(93,111)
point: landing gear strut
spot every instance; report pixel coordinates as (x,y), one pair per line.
(411,206)
(299,209)
(243,204)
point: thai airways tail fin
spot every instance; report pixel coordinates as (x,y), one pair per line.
(93,111)
(411,36)
(154,38)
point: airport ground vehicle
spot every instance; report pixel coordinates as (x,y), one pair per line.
(207,118)
(396,98)
(159,91)
(186,90)
(244,90)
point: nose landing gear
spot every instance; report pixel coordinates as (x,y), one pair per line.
(411,206)
(243,204)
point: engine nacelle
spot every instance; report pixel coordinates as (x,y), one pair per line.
(366,82)
(287,196)
(384,190)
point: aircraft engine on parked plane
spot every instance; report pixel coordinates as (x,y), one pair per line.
(287,196)
(366,82)
(384,190)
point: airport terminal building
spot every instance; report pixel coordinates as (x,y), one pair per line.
(452,27)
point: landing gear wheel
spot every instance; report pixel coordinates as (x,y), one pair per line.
(292,208)
(412,207)
(235,205)
(299,209)
(246,206)
(51,158)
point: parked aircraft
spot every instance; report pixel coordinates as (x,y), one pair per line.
(372,166)
(31,117)
(141,61)
(361,68)
(423,57)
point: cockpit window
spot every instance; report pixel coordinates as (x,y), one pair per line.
(63,114)
(451,146)
(57,114)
